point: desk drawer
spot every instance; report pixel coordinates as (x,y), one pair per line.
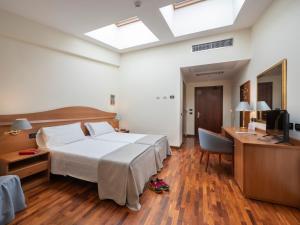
(30,169)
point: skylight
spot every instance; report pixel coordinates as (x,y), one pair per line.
(124,34)
(192,16)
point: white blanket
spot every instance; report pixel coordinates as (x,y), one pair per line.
(80,159)
(123,174)
(120,169)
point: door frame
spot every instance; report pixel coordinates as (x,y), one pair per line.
(195,103)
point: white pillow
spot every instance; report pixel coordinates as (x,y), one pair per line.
(61,135)
(40,139)
(96,129)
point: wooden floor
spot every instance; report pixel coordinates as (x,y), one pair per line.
(196,197)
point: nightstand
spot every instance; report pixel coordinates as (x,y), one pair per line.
(32,169)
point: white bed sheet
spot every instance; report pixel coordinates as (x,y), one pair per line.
(120,137)
(80,159)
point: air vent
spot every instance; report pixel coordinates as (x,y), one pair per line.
(211,45)
(219,73)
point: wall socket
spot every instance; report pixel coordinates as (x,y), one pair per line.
(291,126)
(297,127)
(32,136)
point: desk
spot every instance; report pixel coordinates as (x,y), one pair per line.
(264,170)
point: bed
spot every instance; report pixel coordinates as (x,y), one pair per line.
(120,169)
(79,156)
(105,132)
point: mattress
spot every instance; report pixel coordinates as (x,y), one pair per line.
(80,159)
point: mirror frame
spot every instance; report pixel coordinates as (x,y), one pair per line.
(283,85)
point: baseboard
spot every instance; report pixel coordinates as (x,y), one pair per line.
(177,147)
(189,135)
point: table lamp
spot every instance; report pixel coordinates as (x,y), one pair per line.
(18,125)
(243,107)
(262,106)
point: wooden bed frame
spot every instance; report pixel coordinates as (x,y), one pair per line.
(62,116)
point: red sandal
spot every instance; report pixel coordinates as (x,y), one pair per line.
(163,184)
(155,186)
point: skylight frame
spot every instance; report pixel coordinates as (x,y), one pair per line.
(185,3)
(123,34)
(127,21)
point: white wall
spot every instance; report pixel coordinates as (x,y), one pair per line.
(190,103)
(275,37)
(23,30)
(42,69)
(155,72)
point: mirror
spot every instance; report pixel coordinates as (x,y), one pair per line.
(271,89)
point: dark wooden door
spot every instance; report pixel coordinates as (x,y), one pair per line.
(245,97)
(265,93)
(209,108)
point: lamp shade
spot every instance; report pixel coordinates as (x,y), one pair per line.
(243,107)
(262,106)
(21,124)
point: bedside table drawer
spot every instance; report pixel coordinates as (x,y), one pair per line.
(30,169)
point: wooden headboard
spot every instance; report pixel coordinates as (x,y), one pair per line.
(9,143)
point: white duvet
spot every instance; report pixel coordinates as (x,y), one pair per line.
(80,159)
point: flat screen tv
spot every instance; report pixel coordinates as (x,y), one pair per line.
(278,125)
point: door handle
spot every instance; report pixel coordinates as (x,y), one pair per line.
(198,115)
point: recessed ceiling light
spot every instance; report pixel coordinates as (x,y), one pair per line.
(124,34)
(137,3)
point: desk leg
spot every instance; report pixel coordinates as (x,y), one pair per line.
(232,164)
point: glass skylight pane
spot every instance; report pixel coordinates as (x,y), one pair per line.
(129,33)
(197,16)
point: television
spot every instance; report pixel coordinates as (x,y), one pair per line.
(278,125)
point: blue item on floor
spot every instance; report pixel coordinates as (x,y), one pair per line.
(12,198)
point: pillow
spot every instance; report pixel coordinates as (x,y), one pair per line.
(40,139)
(96,129)
(61,135)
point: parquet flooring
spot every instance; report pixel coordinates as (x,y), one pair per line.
(196,197)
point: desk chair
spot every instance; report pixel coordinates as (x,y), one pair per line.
(212,143)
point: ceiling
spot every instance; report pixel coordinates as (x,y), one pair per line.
(210,72)
(77,17)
